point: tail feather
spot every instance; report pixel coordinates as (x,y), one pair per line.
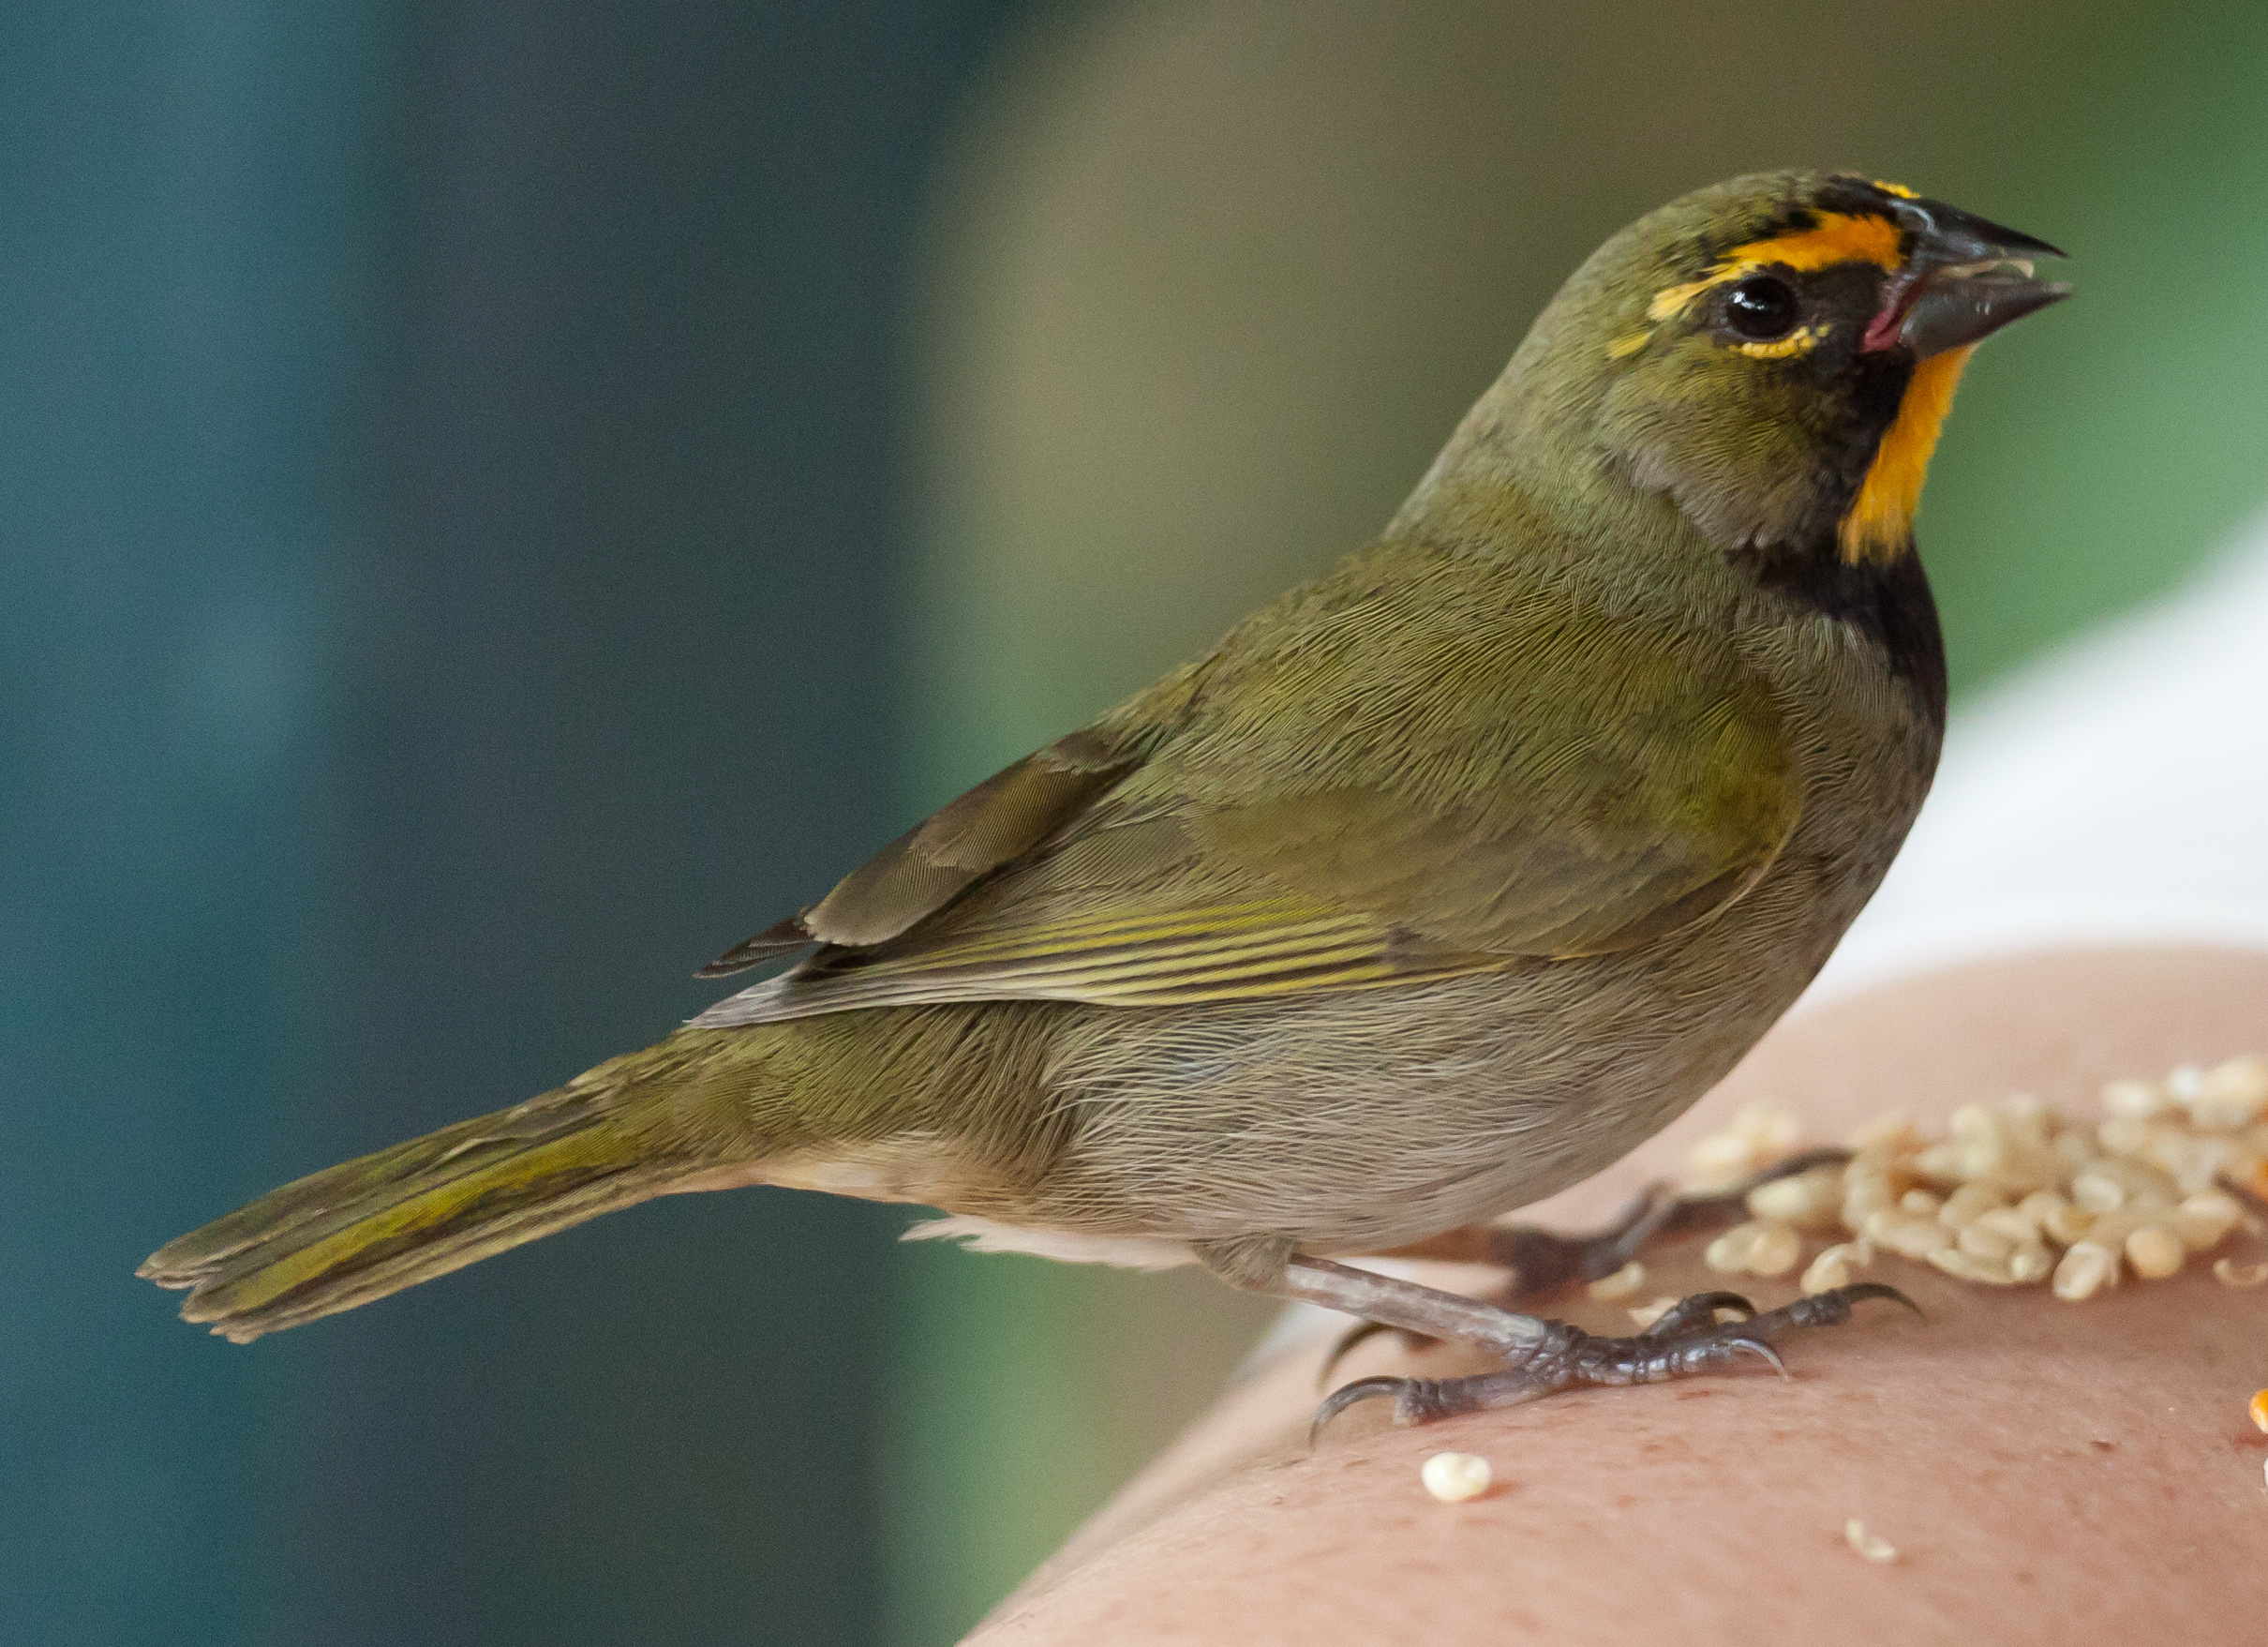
(366,1228)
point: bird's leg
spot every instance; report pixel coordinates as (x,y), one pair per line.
(1269,1265)
(1390,1302)
(1567,1358)
(1540,1262)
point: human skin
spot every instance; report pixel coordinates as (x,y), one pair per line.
(2038,1465)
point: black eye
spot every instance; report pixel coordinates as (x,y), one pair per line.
(1763,307)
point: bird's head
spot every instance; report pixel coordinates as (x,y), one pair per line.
(1774,356)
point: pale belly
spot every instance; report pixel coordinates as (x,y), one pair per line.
(1360,1122)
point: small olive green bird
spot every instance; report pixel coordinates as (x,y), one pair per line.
(1435,886)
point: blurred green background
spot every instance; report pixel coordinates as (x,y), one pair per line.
(500,501)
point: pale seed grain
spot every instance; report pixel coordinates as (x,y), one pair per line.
(2142,1100)
(1623,1283)
(2084,1270)
(1729,1252)
(2096,1190)
(2030,1261)
(1829,1271)
(1775,1251)
(1454,1477)
(2156,1252)
(2233,1094)
(1978,1241)
(1871,1546)
(2204,1219)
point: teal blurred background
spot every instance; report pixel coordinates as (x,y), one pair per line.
(501,501)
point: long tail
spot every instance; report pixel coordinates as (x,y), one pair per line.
(358,1231)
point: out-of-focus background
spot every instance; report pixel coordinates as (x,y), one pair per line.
(500,501)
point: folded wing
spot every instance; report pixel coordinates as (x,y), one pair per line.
(1404,772)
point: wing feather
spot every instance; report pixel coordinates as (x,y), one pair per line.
(1411,775)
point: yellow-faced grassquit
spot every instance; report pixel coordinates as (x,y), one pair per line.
(1435,886)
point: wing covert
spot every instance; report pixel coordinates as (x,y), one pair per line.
(938,859)
(1406,777)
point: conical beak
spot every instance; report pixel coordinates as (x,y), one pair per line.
(1965,279)
(1953,309)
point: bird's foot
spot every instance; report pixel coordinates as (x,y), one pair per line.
(1540,1262)
(1686,1340)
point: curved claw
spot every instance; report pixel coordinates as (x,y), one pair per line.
(1697,1309)
(1858,1291)
(1719,1301)
(1355,1335)
(1759,1348)
(1347,1395)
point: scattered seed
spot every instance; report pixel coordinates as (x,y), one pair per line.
(2112,1230)
(1729,1252)
(2030,1261)
(2203,1218)
(1623,1283)
(1954,1262)
(2144,1184)
(2013,1194)
(1909,1236)
(1808,1201)
(2142,1100)
(2154,1252)
(1967,1203)
(2085,1267)
(1759,1135)
(2009,1222)
(2231,1095)
(1981,1241)
(1454,1477)
(2097,1191)
(2067,1222)
(1894,1129)
(1832,1268)
(1871,1546)
(1776,1250)
(2125,1135)
(2193,1162)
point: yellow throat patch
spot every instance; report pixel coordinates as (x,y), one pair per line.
(1881,520)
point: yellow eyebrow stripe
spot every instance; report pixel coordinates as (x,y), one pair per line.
(1838,237)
